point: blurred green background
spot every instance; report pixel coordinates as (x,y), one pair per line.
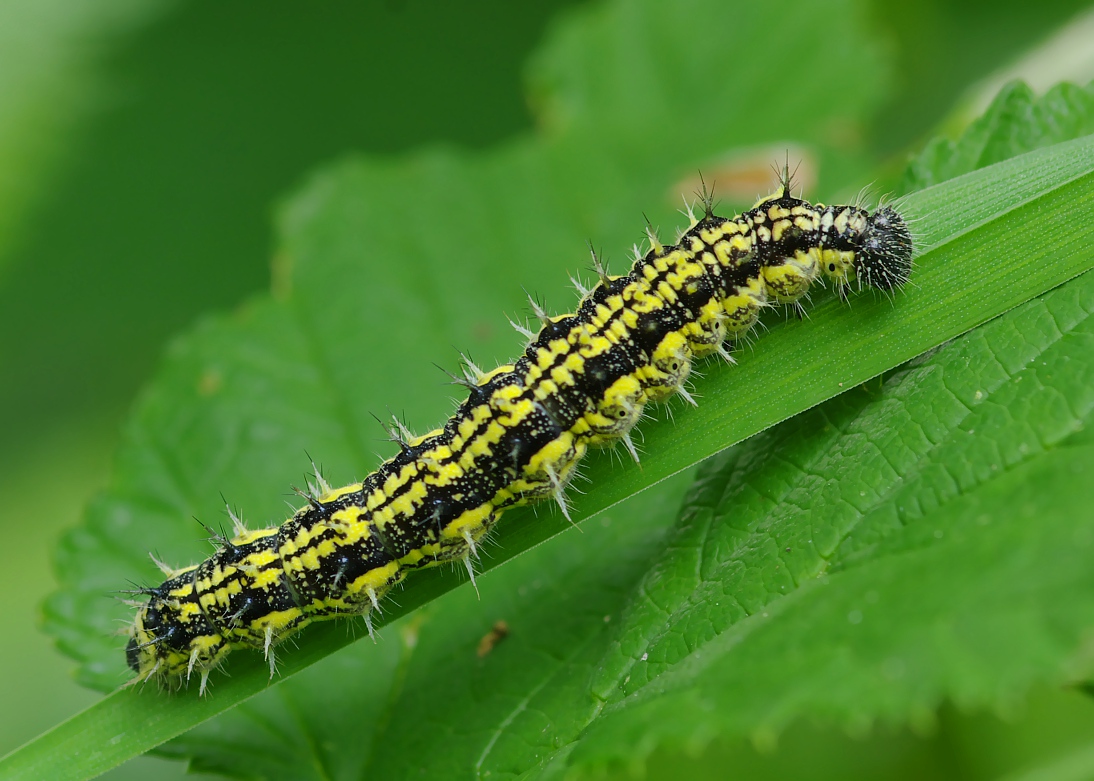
(144,145)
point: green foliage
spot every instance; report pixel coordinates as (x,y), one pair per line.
(922,538)
(914,539)
(1016,122)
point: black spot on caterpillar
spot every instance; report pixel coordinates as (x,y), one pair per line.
(583,381)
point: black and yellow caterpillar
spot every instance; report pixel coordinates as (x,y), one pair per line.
(582,381)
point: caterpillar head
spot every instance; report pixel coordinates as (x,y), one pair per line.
(873,248)
(884,254)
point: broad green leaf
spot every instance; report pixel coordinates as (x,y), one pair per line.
(791,370)
(795,368)
(537,709)
(1017,121)
(921,538)
(382,266)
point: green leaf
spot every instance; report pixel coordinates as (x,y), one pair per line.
(791,370)
(1017,121)
(239,400)
(924,538)
(563,611)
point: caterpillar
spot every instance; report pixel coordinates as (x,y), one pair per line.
(583,381)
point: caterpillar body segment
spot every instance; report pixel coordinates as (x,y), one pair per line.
(583,381)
